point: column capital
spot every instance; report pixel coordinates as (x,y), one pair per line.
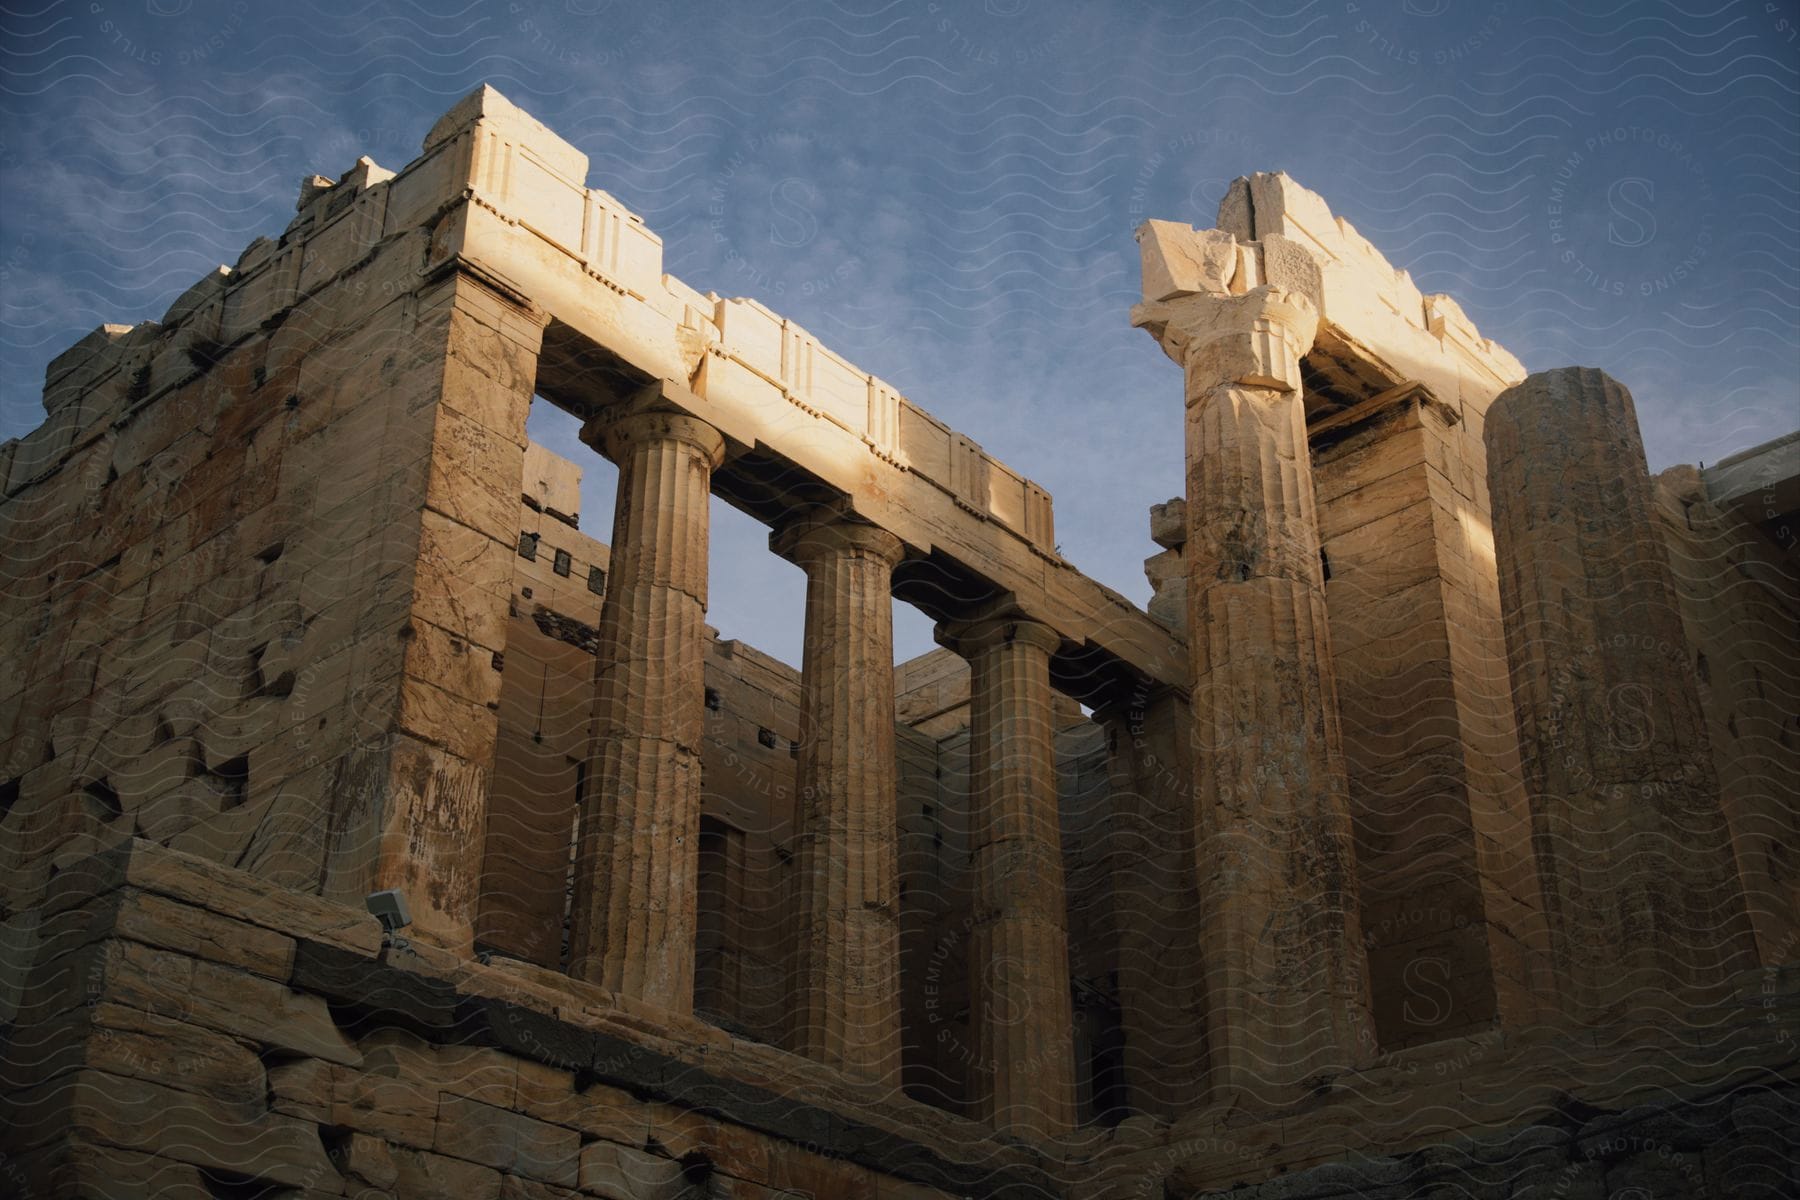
(971,636)
(652,414)
(1254,339)
(821,532)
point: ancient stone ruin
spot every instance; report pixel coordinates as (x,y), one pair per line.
(370,829)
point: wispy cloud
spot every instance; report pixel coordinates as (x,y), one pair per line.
(945,193)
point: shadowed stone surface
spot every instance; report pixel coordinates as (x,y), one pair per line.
(1643,895)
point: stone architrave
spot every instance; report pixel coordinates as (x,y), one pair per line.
(1287,980)
(634,914)
(844,988)
(1641,888)
(1023,1076)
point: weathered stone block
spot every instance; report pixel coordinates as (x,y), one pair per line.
(83,1170)
(441,1177)
(508,1141)
(219,889)
(594,1110)
(221,998)
(621,1173)
(196,1129)
(1168,523)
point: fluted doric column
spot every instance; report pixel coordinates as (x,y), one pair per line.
(1287,979)
(635,874)
(1641,888)
(1023,1074)
(844,975)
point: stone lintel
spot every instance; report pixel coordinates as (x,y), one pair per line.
(1307,247)
(1337,424)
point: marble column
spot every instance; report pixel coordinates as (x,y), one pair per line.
(1641,888)
(633,924)
(844,974)
(1279,938)
(1022,1074)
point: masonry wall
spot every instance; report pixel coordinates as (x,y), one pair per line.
(545,697)
(195,1030)
(1088,816)
(1448,891)
(1740,610)
(1726,1142)
(259,576)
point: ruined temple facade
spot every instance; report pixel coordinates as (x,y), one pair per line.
(1433,828)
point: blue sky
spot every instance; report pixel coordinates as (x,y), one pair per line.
(945,193)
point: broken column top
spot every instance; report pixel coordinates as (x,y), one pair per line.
(1272,231)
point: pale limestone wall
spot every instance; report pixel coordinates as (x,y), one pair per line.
(546,698)
(1449,897)
(747,803)
(265,576)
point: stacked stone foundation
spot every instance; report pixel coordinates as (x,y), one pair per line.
(187,1027)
